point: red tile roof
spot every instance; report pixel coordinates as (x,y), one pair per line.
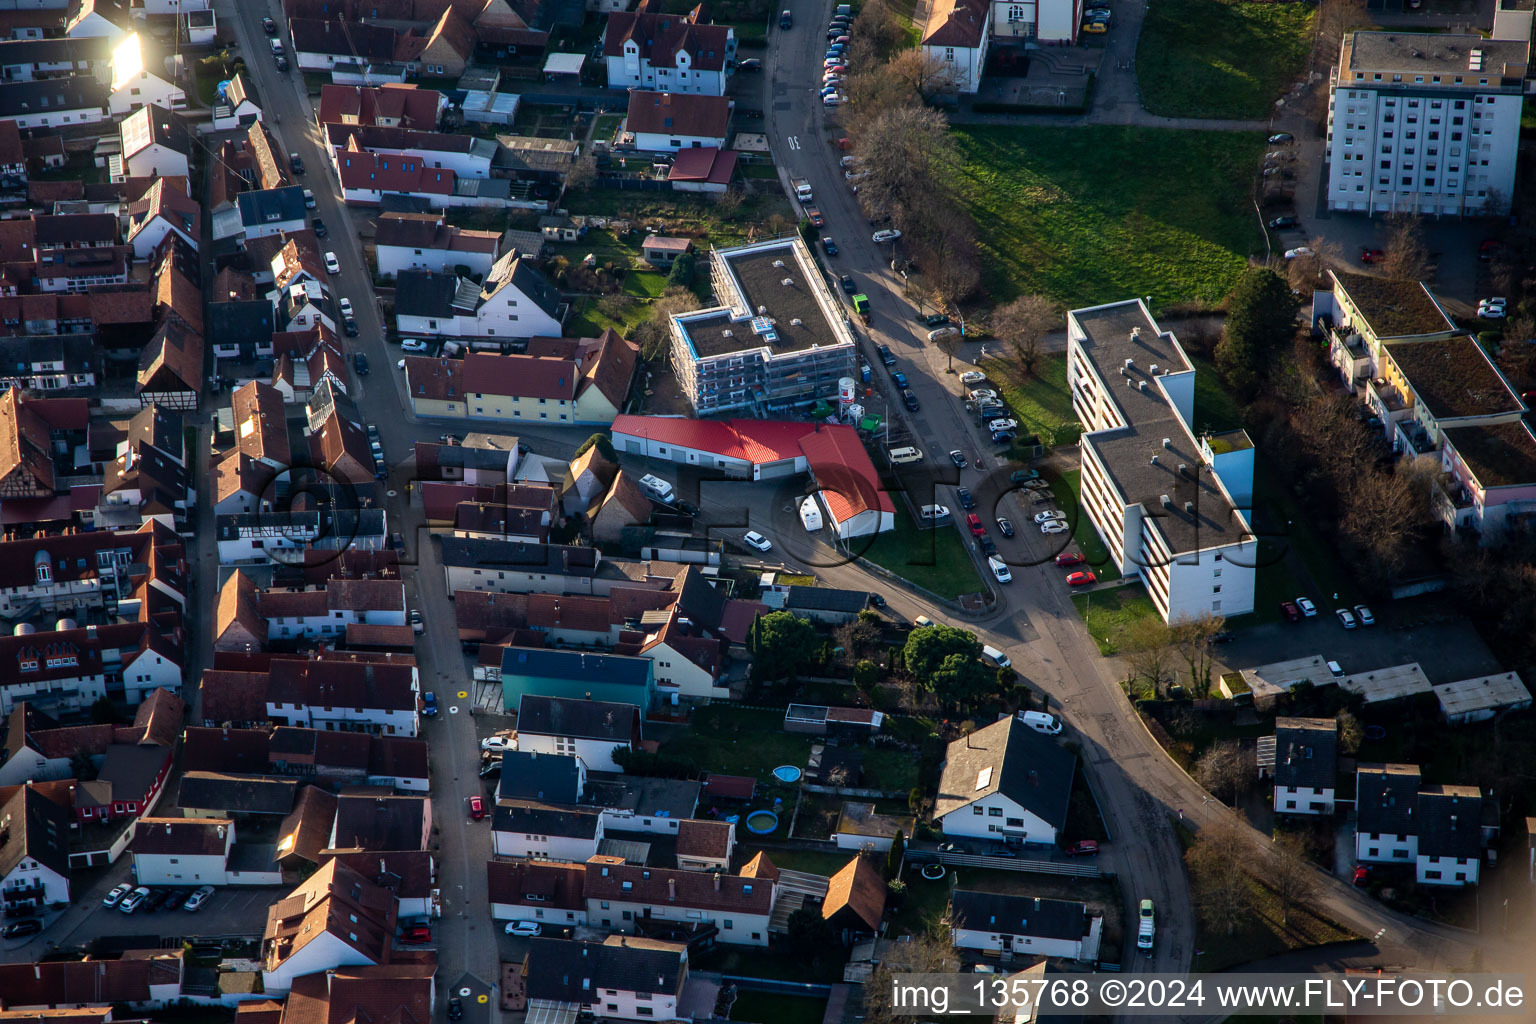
(658,38)
(392,172)
(665,113)
(405,104)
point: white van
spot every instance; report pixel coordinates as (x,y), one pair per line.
(998,657)
(810,514)
(921,621)
(658,488)
(1041,722)
(934,512)
(1000,570)
(903,455)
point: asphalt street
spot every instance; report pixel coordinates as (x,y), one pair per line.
(1140,789)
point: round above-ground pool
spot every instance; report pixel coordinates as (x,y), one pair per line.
(933,872)
(787,773)
(761,823)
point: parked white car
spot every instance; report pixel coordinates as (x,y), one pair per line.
(888,235)
(758,541)
(523,929)
(498,744)
(413,345)
(1048,515)
(972,377)
(1054,526)
(332,264)
(346,307)
(1300,250)
(198,898)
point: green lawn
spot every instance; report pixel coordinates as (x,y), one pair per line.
(769,1008)
(604,126)
(1067,489)
(747,741)
(1220,58)
(1109,613)
(813,861)
(1102,213)
(1042,404)
(935,560)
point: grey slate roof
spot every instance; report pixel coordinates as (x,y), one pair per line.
(541,819)
(1386,795)
(548,778)
(23,99)
(1019,915)
(643,795)
(571,971)
(240,322)
(419,293)
(1306,753)
(482,553)
(1450,822)
(237,794)
(562,716)
(264,205)
(1032,770)
(827,599)
(39,830)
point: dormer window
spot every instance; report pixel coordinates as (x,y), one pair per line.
(44,572)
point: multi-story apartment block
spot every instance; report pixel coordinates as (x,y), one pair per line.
(1428,124)
(1168,504)
(778,340)
(1433,391)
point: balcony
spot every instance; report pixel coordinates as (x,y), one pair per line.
(1410,438)
(1385,400)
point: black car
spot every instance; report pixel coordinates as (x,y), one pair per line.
(1279,137)
(177,898)
(318,226)
(282,65)
(360,364)
(155,900)
(886,356)
(397,541)
(349,327)
(847,283)
(21,929)
(878,600)
(1004,527)
(967,501)
(269,26)
(829,245)
(988,545)
(958,458)
(1224,637)
(295,163)
(1280,223)
(750,64)
(910,399)
(455,1008)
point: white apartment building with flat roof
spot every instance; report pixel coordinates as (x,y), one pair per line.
(1425,123)
(778,340)
(1170,506)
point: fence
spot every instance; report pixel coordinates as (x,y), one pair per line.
(971,860)
(783,988)
(629,183)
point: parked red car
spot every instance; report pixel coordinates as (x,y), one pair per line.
(477,807)
(416,933)
(1362,874)
(1070,558)
(1078,579)
(1289,610)
(974,522)
(1083,848)
(1369,255)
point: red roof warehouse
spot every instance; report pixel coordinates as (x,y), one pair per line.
(766,449)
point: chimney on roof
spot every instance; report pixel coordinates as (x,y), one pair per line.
(1168,443)
(1189,507)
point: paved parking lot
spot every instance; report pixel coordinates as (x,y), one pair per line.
(231,911)
(1445,645)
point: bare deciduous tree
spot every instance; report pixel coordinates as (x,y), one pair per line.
(1351,732)
(582,174)
(1307,269)
(926,75)
(1195,639)
(910,158)
(1336,18)
(1289,875)
(1223,770)
(931,952)
(1222,890)
(1149,651)
(1407,257)
(1022,324)
(654,337)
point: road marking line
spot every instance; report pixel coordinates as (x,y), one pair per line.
(794,142)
